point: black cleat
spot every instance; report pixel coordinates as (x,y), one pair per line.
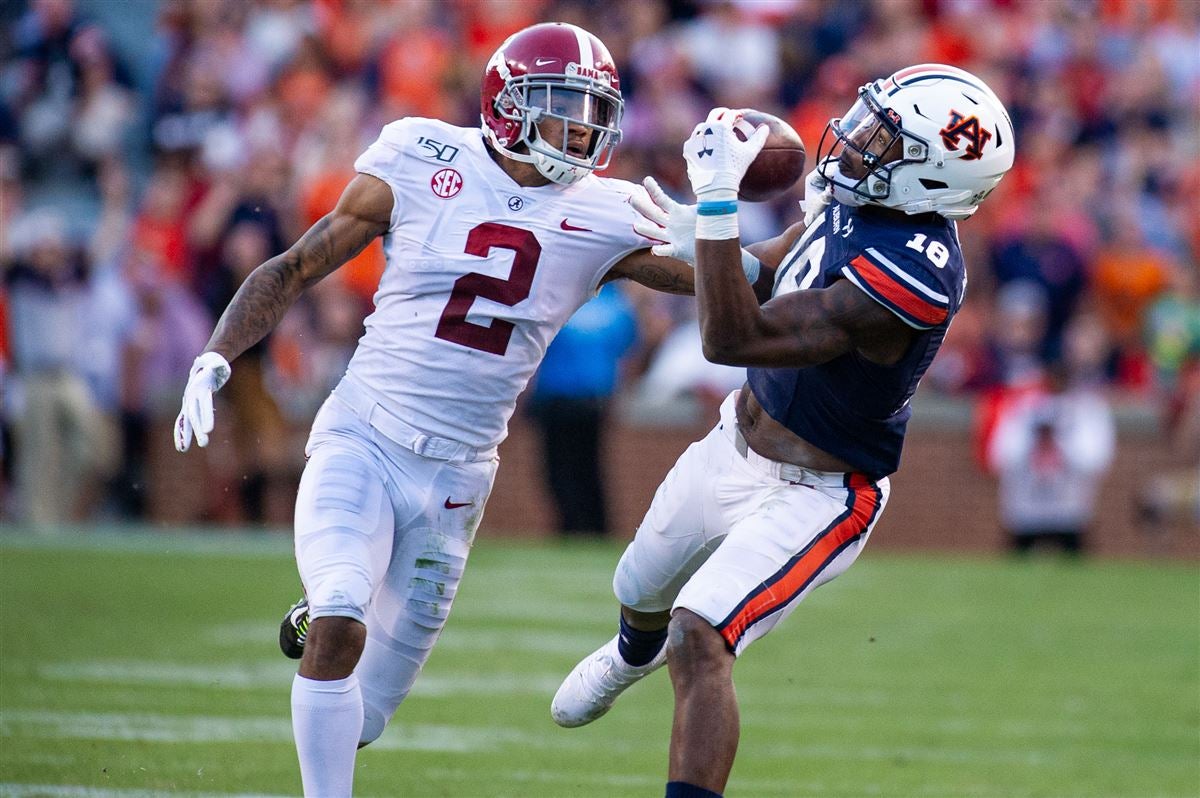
(293,630)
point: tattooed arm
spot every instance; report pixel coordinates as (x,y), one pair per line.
(363,212)
(668,275)
(674,276)
(795,330)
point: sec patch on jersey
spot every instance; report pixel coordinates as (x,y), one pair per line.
(446,183)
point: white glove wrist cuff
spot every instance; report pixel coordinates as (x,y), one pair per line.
(751,266)
(216,363)
(210,359)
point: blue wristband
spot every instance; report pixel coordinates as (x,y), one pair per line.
(717,208)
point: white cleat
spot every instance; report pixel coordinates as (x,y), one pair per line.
(591,689)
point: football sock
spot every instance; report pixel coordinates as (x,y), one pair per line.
(681,789)
(327,719)
(638,647)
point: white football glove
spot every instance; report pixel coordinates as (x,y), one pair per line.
(209,373)
(716,159)
(665,220)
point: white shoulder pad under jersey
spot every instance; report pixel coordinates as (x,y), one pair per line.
(481,274)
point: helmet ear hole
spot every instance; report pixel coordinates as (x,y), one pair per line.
(933,184)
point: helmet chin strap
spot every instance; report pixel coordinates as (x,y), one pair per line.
(505,151)
(831,170)
(548,167)
(558,171)
(847,197)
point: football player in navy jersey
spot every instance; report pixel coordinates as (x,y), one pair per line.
(782,494)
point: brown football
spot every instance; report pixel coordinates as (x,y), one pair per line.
(778,166)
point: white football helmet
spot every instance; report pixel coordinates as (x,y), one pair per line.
(929,138)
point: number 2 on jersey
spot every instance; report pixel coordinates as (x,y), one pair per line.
(453,325)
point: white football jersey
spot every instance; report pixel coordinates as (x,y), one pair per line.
(481,274)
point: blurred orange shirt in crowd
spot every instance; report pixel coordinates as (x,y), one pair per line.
(360,274)
(950,42)
(303,91)
(412,71)
(1119,13)
(346,28)
(1125,280)
(837,79)
(490,22)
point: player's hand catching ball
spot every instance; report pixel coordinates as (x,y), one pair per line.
(209,373)
(717,158)
(664,219)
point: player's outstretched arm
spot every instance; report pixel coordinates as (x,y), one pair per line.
(669,275)
(363,212)
(800,328)
(673,224)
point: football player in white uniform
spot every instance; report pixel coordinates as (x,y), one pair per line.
(783,493)
(492,242)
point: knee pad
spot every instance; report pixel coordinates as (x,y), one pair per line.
(344,527)
(338,587)
(373,725)
(635,592)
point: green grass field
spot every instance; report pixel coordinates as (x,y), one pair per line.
(144,665)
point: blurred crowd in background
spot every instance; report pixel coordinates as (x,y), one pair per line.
(153,154)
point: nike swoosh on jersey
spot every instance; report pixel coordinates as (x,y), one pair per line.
(455,505)
(568,226)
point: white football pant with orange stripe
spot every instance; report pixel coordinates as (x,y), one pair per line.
(741,540)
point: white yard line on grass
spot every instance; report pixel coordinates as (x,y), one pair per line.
(278,676)
(459,637)
(146,727)
(147,540)
(570,644)
(11,790)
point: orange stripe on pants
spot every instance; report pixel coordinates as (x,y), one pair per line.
(863,505)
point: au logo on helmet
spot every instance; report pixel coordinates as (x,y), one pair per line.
(965,127)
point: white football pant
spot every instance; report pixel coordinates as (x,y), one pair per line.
(382,536)
(741,540)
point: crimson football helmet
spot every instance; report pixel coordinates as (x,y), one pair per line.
(928,138)
(553,71)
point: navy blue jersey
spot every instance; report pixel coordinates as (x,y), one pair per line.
(912,265)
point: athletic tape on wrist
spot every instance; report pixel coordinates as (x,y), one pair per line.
(716,228)
(716,220)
